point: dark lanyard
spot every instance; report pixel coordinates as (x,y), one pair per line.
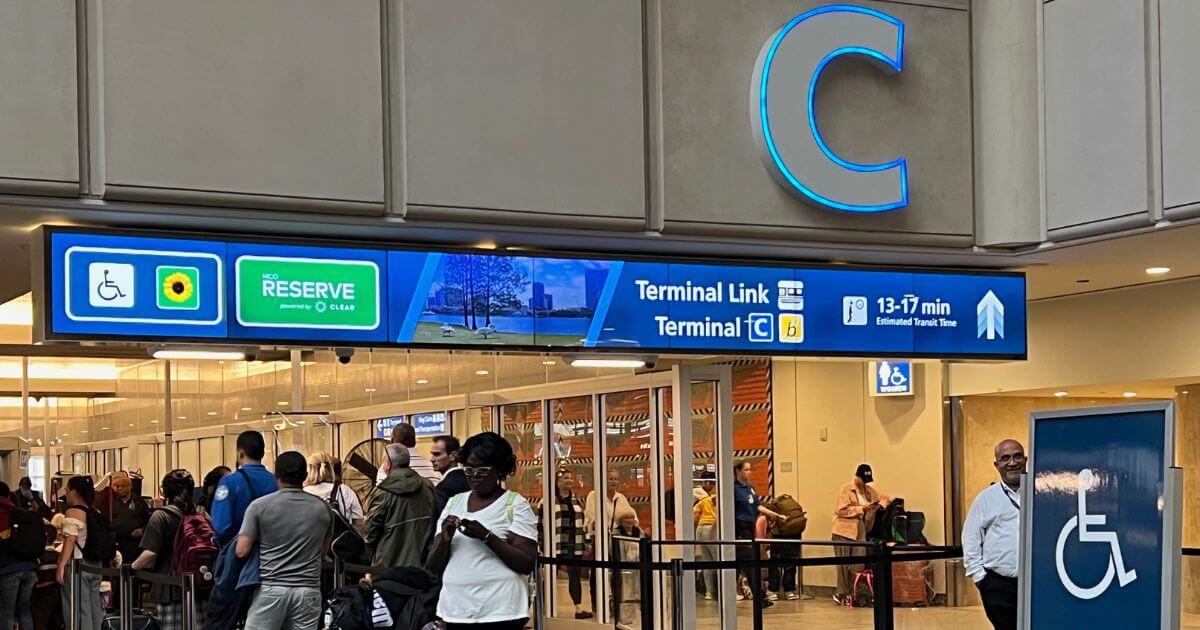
(1007,495)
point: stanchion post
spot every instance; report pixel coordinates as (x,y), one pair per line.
(339,573)
(538,604)
(884,612)
(756,585)
(647,585)
(677,593)
(189,600)
(125,604)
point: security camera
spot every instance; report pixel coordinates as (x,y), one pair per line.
(651,362)
(344,355)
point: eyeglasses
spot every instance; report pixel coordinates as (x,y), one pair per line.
(479,471)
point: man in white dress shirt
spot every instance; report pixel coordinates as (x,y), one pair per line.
(405,435)
(991,538)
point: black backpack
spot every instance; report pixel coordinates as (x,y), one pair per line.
(27,535)
(347,609)
(348,545)
(101,537)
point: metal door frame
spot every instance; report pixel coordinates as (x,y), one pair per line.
(682,378)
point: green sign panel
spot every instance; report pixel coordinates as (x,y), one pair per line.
(274,292)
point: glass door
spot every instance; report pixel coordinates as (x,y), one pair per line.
(696,411)
(606,445)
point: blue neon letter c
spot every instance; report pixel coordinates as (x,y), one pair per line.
(786,74)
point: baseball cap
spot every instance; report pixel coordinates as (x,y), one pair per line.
(864,473)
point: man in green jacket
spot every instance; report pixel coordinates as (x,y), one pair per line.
(398,513)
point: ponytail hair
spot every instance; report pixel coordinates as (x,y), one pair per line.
(83,486)
(178,489)
(320,469)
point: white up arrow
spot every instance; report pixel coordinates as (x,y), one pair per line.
(990,312)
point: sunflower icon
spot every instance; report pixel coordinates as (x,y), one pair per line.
(177,287)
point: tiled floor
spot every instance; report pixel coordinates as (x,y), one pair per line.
(822,614)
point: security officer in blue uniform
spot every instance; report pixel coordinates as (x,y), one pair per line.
(227,606)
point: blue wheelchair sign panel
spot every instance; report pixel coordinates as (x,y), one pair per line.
(891,378)
(1100,533)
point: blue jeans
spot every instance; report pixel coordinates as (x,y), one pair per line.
(16,590)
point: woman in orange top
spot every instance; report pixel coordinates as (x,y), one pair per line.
(857,505)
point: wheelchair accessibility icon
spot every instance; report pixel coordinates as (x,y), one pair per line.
(1084,522)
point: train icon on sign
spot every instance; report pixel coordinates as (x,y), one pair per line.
(791,295)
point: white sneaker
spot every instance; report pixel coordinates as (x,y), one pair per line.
(741,597)
(772,596)
(710,597)
(804,596)
(791,596)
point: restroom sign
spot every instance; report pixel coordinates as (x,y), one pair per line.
(891,378)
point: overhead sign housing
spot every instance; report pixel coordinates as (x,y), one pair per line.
(150,288)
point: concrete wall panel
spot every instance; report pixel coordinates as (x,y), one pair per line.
(526,105)
(714,173)
(38,137)
(1179,23)
(271,97)
(1095,111)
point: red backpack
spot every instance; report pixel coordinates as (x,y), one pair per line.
(195,549)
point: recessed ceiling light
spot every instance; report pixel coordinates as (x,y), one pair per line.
(200,355)
(131,424)
(607,362)
(151,422)
(322,395)
(422,381)
(549,362)
(481,372)
(369,390)
(212,413)
(1060,394)
(66,435)
(282,403)
(1158,271)
(1130,394)
(83,431)
(106,428)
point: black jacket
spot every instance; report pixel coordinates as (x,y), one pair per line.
(454,482)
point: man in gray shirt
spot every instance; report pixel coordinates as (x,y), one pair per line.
(292,530)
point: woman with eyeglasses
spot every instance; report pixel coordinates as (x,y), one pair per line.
(486,545)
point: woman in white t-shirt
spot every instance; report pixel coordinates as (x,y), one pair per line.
(486,545)
(321,481)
